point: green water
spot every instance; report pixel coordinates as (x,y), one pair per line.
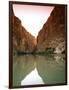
(50,68)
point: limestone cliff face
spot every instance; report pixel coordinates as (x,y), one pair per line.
(52,35)
(23,41)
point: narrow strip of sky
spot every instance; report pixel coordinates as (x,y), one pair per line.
(32,17)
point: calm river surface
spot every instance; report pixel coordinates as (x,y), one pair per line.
(36,69)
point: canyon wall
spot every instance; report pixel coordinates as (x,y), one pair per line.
(23,41)
(52,34)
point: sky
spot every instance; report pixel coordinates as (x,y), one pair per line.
(32,17)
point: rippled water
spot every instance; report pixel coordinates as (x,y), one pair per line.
(36,69)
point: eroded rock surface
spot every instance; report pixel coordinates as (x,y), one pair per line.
(23,41)
(52,35)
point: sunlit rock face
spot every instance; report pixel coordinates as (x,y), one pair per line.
(52,35)
(23,41)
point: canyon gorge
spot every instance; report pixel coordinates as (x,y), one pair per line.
(52,35)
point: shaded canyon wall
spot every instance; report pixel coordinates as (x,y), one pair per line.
(52,35)
(23,41)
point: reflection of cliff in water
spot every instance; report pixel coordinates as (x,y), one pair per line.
(22,66)
(50,68)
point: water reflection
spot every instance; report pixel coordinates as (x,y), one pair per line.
(43,69)
(32,78)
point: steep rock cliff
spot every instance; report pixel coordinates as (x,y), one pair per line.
(52,35)
(23,41)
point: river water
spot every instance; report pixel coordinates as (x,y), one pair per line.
(38,69)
